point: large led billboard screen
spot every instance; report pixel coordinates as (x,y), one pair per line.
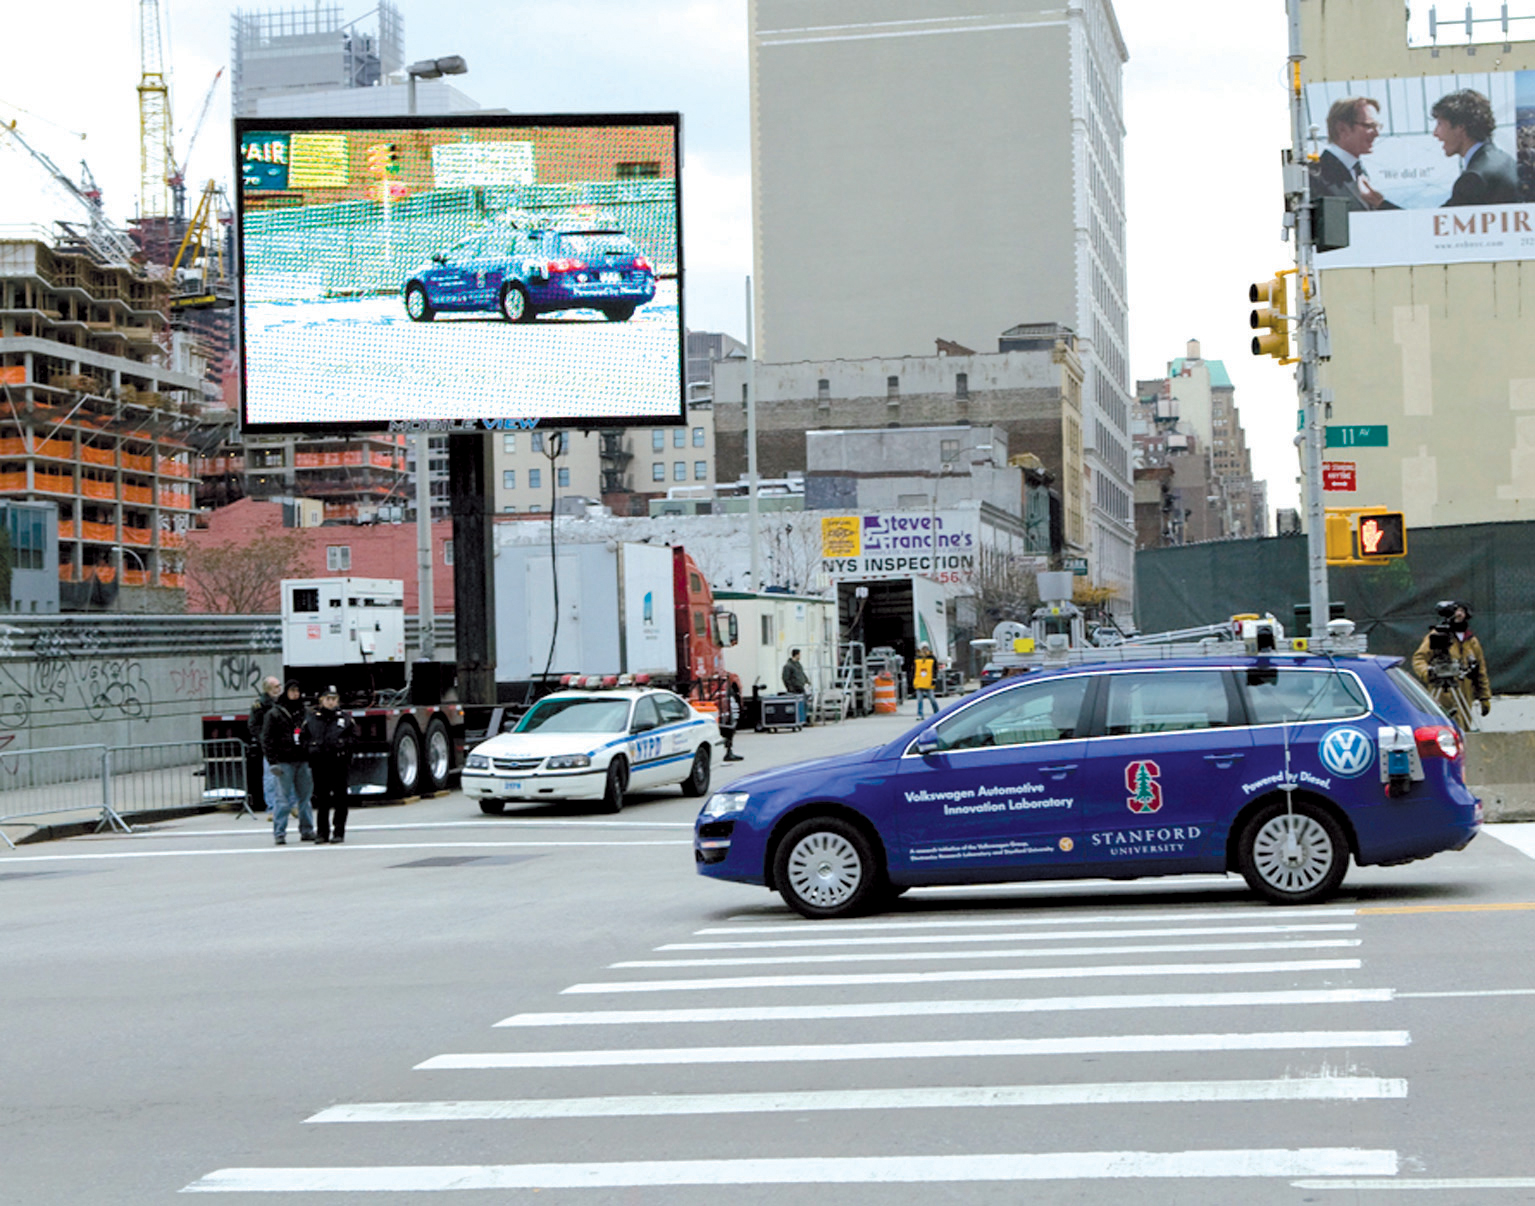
(467,273)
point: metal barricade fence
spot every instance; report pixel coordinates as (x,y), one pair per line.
(121,779)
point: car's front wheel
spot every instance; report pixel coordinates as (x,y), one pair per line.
(1293,856)
(416,304)
(697,782)
(616,784)
(492,808)
(825,867)
(515,306)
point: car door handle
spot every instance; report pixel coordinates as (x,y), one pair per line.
(1061,771)
(1223,760)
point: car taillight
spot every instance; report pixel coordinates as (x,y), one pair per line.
(641,263)
(1437,741)
(567,265)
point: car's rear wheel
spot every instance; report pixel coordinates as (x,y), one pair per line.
(825,867)
(492,808)
(697,782)
(618,313)
(617,783)
(515,306)
(1293,856)
(416,304)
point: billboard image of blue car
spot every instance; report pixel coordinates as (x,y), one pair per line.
(578,263)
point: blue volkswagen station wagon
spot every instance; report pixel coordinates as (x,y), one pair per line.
(522,272)
(1277,766)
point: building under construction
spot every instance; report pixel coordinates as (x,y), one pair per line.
(92,419)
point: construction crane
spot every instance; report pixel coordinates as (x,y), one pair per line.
(155,160)
(201,276)
(109,244)
(178,167)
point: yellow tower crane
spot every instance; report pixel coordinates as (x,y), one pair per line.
(155,159)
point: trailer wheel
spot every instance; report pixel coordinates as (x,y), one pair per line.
(437,756)
(617,784)
(492,808)
(405,761)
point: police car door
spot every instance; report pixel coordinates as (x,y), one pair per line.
(999,789)
(648,749)
(1167,756)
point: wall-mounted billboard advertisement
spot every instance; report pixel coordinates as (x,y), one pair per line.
(461,273)
(1436,169)
(941,546)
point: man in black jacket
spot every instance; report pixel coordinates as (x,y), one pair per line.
(1463,124)
(258,776)
(329,735)
(282,741)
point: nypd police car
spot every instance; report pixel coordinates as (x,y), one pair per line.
(594,745)
(1280,767)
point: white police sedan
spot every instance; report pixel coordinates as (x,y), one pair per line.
(594,745)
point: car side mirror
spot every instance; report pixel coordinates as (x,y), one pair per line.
(439,258)
(927,742)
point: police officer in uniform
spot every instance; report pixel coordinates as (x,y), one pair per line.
(329,735)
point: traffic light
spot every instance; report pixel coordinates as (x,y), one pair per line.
(1270,319)
(1383,535)
(377,159)
(1340,537)
(392,158)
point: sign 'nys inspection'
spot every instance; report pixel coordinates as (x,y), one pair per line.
(898,545)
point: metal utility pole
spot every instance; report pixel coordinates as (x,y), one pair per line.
(751,444)
(1310,336)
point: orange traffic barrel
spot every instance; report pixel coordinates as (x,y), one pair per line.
(884,693)
(704,705)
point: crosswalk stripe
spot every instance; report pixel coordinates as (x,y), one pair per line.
(1425,1183)
(1316,1088)
(906,1009)
(970,975)
(938,923)
(1161,948)
(1044,1166)
(1050,936)
(1106,1044)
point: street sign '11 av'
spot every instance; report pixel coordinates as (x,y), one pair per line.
(1356,436)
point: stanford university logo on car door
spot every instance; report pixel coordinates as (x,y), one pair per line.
(1347,751)
(1141,782)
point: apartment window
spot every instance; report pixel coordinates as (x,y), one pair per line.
(658,472)
(658,441)
(29,532)
(338,556)
(563,475)
(538,441)
(744,388)
(823,390)
(700,471)
(679,437)
(509,479)
(535,507)
(510,508)
(447,552)
(910,502)
(892,387)
(509,442)
(948,450)
(535,478)
(961,385)
(679,471)
(698,437)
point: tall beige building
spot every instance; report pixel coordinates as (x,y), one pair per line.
(945,170)
(1431,308)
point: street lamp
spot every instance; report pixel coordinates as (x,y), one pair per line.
(426,69)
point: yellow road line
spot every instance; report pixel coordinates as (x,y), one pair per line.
(1506,906)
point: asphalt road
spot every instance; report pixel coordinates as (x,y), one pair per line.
(547,1006)
(362,359)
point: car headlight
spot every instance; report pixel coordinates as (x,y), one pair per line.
(568,761)
(722,802)
(477,762)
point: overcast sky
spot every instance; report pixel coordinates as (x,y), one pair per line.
(1205,109)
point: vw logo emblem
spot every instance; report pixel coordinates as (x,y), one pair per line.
(1347,752)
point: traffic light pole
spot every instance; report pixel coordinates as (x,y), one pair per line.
(1310,329)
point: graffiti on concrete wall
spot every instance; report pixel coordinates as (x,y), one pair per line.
(104,687)
(189,680)
(239,672)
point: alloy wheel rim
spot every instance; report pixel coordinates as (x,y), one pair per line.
(415,303)
(1293,852)
(825,869)
(513,304)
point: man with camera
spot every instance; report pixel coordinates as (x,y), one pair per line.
(1450,662)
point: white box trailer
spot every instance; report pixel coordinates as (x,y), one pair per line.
(900,613)
(616,611)
(772,624)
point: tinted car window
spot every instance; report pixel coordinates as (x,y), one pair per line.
(672,708)
(1413,689)
(646,715)
(1043,711)
(1167,702)
(1279,695)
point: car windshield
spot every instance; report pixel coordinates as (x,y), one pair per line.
(577,716)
